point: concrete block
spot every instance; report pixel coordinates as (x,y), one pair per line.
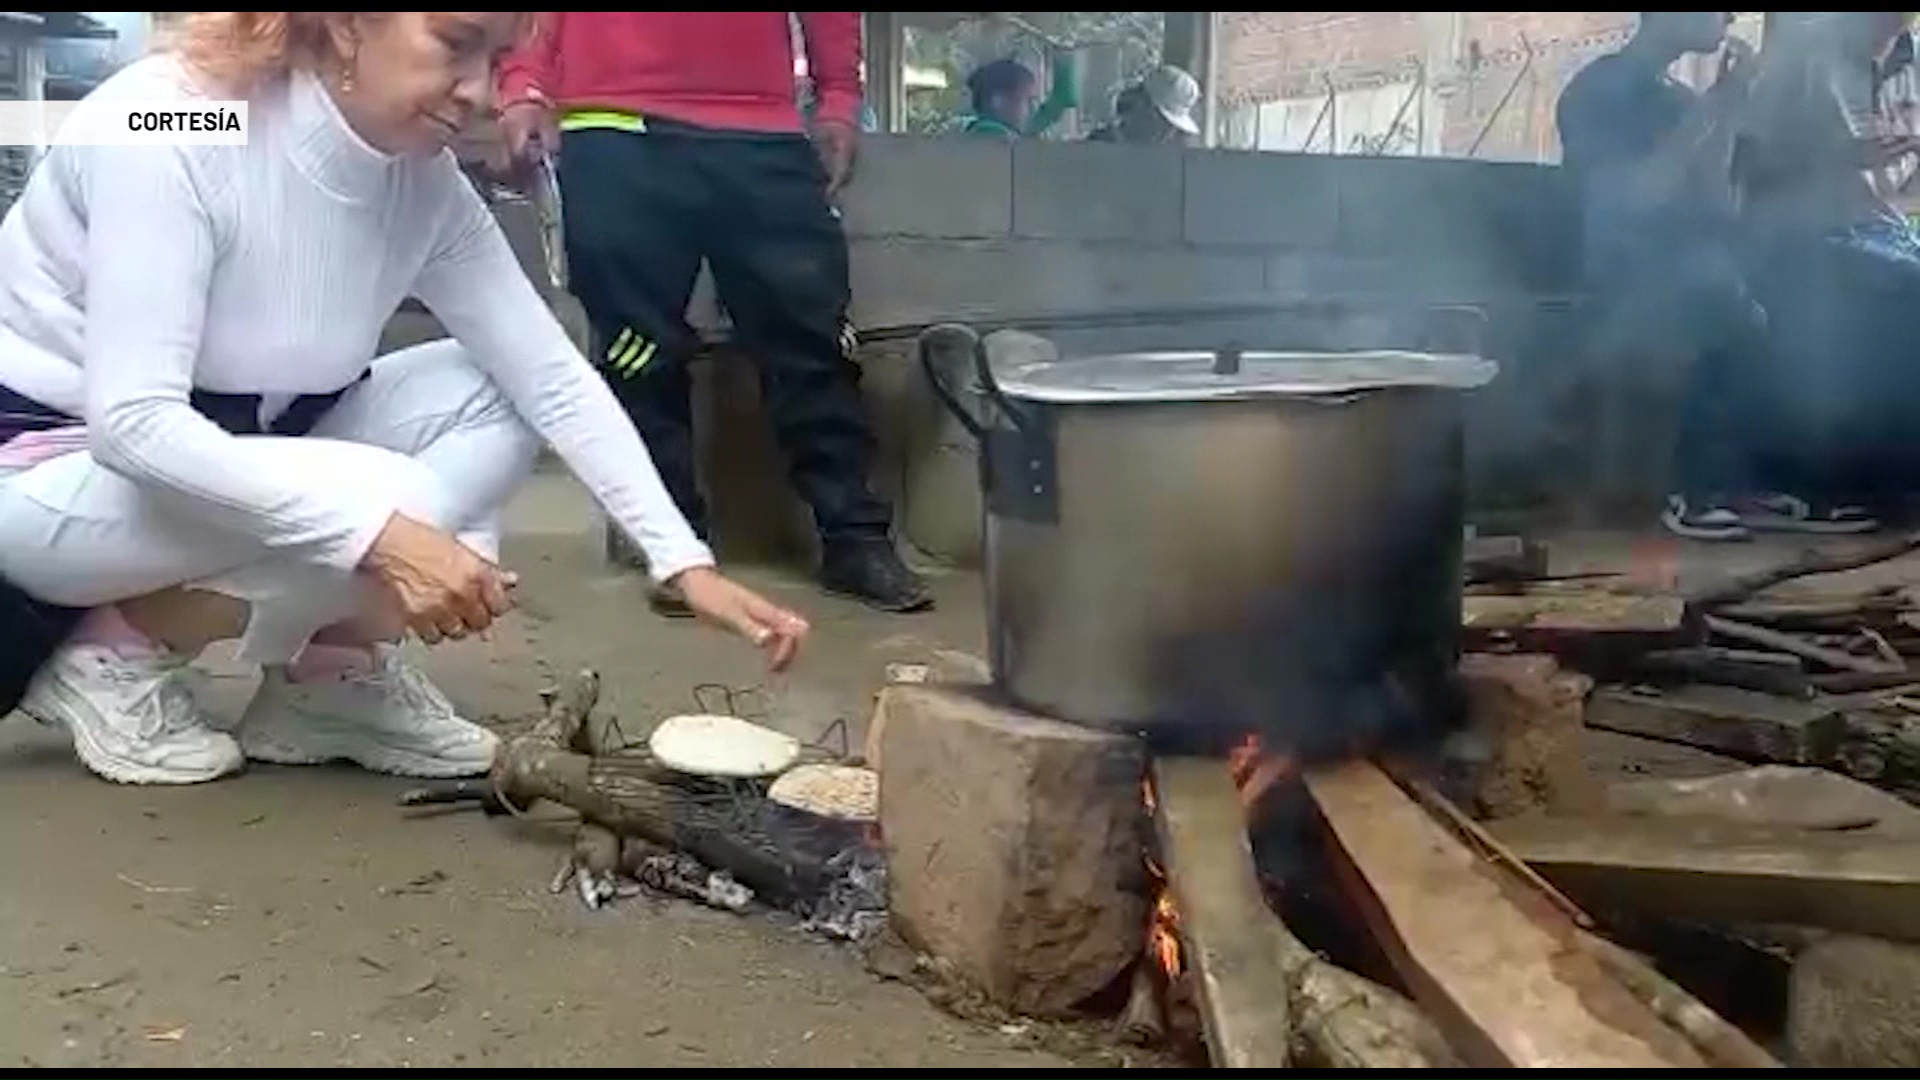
(1015,845)
(1261,199)
(1851,1003)
(901,281)
(1096,191)
(907,186)
(1495,220)
(1524,746)
(1466,277)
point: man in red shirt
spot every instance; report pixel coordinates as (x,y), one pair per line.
(680,139)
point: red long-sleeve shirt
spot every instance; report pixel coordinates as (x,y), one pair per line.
(722,69)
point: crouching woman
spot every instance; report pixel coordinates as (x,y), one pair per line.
(196,443)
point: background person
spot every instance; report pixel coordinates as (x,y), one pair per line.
(680,141)
(1006,103)
(1157,110)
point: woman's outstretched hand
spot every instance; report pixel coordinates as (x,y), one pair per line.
(775,630)
(444,590)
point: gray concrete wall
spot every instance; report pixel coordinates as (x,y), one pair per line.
(955,227)
(1338,247)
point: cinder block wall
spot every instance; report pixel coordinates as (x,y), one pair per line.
(962,229)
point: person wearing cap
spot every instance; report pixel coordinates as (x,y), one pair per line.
(1158,109)
(1006,98)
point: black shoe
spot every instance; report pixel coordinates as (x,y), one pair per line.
(871,572)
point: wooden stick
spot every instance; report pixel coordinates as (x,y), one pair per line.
(1266,999)
(1808,563)
(1474,834)
(1725,1045)
(1143,1022)
(1787,643)
(1819,614)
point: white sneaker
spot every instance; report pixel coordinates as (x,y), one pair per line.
(391,719)
(133,719)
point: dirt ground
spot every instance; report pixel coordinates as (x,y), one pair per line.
(296,918)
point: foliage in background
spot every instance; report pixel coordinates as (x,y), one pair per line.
(967,45)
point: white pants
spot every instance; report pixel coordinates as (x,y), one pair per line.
(425,431)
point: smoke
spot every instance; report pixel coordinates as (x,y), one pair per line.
(1317,678)
(1356,653)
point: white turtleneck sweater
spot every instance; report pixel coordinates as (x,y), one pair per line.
(130,276)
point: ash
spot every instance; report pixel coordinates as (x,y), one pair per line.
(851,907)
(854,906)
(675,873)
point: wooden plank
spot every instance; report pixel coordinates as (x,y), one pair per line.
(1226,927)
(1575,611)
(1593,629)
(1744,723)
(1498,968)
(1729,872)
(1505,559)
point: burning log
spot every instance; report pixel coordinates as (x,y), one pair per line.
(1266,999)
(630,795)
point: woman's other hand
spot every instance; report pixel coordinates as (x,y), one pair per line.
(775,630)
(444,590)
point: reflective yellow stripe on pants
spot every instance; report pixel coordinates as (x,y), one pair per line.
(630,352)
(603,120)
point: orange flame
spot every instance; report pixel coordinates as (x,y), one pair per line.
(1163,935)
(1255,772)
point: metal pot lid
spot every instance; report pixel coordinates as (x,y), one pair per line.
(1226,376)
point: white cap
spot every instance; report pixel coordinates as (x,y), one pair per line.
(1175,94)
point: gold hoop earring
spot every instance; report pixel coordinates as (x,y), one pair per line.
(348,63)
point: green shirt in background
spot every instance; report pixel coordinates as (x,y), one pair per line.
(1063,95)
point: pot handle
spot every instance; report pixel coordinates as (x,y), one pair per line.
(954,336)
(948,338)
(1456,329)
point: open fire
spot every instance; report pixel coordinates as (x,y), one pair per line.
(1160,1003)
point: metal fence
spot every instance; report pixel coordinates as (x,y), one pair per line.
(1467,84)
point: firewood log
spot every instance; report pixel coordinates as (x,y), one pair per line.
(1806,564)
(633,796)
(1342,1020)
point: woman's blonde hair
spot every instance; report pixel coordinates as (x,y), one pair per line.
(243,49)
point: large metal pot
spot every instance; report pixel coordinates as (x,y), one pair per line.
(1217,538)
